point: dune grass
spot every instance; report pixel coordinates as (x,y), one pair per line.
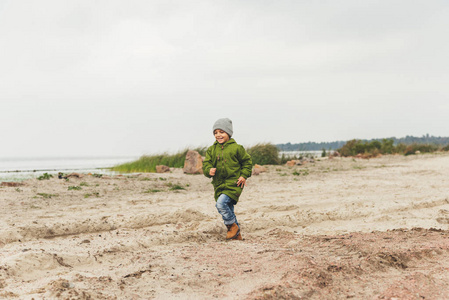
(264,154)
(148,163)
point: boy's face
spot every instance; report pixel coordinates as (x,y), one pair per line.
(221,136)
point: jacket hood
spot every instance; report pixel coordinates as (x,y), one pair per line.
(231,141)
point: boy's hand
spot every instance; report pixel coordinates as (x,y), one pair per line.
(241,182)
(212,171)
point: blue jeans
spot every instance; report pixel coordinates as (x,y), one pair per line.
(225,206)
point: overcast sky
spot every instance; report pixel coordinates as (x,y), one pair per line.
(139,77)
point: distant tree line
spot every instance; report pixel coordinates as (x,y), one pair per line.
(408,140)
(425,139)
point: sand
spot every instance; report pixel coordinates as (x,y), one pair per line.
(334,229)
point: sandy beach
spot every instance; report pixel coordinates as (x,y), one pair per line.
(341,228)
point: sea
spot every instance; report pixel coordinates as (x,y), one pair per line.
(19,169)
(311,153)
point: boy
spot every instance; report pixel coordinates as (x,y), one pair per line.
(229,165)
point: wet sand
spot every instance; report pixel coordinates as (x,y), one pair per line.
(334,229)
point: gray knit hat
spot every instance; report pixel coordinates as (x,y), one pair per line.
(224,124)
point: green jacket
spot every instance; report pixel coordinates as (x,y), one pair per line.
(231,161)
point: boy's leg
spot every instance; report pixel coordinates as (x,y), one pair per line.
(225,206)
(231,207)
(239,236)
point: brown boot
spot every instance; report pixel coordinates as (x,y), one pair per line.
(238,237)
(233,231)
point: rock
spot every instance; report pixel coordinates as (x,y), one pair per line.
(193,163)
(302,161)
(292,163)
(74,175)
(307,160)
(11,184)
(336,153)
(258,169)
(162,169)
(67,285)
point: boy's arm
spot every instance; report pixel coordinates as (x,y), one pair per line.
(207,164)
(245,162)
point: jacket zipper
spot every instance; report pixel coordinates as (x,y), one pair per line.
(222,159)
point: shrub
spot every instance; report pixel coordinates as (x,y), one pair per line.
(264,154)
(45,176)
(372,146)
(367,149)
(400,148)
(323,153)
(423,148)
(387,146)
(348,149)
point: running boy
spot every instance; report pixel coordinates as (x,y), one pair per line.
(229,165)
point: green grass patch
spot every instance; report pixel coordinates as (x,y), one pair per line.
(74,188)
(151,191)
(304,172)
(94,194)
(47,196)
(45,176)
(382,166)
(147,179)
(358,167)
(175,187)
